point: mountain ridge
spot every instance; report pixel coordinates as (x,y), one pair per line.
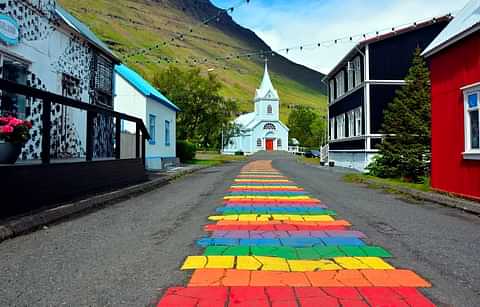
(128,26)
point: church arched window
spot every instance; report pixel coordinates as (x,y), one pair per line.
(269,126)
(259,142)
(269,109)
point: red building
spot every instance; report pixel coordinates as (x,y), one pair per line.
(455,74)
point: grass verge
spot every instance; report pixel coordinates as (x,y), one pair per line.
(312,161)
(390,184)
(214,159)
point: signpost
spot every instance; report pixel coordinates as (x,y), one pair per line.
(9,30)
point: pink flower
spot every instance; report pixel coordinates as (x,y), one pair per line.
(6,129)
(4,120)
(14,122)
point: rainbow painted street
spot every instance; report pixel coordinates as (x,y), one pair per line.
(272,244)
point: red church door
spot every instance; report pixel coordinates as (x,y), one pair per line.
(269,144)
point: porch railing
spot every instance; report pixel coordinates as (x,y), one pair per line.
(47,98)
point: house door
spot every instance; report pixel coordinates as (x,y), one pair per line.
(269,144)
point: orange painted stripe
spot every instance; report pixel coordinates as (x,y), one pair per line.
(325,279)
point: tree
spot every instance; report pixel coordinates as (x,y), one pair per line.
(205,113)
(306,126)
(405,151)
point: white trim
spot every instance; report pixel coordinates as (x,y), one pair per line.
(386,82)
(353,90)
(368,144)
(470,86)
(469,151)
(347,139)
(471,155)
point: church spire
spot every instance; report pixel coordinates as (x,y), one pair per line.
(266,86)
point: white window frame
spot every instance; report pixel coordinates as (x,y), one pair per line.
(350,74)
(358,121)
(332,90)
(340,121)
(470,153)
(357,66)
(351,123)
(340,83)
(332,128)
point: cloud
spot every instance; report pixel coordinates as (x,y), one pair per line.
(285,23)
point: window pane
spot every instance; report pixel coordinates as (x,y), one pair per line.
(474,130)
(13,104)
(473,101)
(152,129)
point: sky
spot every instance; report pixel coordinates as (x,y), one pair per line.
(288,23)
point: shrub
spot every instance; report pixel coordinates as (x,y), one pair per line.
(186,151)
(239,153)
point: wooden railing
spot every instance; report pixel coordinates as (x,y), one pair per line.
(92,111)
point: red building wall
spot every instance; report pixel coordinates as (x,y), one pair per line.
(452,69)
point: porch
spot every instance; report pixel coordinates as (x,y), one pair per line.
(31,185)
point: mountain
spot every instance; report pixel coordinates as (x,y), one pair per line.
(128,26)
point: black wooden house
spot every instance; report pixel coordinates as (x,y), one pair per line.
(364,82)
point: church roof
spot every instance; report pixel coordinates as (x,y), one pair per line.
(245,119)
(266,88)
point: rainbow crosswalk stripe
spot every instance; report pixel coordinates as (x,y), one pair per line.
(274,245)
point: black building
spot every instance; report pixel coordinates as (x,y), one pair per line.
(364,82)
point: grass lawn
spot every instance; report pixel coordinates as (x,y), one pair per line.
(214,158)
(313,161)
(393,183)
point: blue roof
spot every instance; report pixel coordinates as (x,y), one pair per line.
(82,29)
(143,86)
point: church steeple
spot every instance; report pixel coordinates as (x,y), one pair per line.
(266,90)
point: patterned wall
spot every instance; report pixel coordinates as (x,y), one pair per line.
(38,23)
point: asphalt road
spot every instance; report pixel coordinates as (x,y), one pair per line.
(124,255)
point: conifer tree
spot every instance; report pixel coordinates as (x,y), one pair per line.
(405,151)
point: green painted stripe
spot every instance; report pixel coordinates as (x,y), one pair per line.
(311,253)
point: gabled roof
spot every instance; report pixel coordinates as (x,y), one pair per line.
(145,88)
(394,32)
(466,22)
(82,29)
(245,119)
(265,87)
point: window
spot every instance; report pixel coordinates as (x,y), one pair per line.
(340,82)
(340,120)
(15,71)
(259,142)
(332,128)
(357,66)
(151,128)
(167,133)
(332,90)
(269,126)
(279,143)
(350,74)
(102,81)
(351,123)
(358,121)
(269,109)
(472,121)
(70,86)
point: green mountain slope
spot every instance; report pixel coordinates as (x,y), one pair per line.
(128,26)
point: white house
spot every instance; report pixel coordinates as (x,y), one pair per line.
(44,47)
(138,98)
(261,129)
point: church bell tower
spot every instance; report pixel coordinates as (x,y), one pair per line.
(267,101)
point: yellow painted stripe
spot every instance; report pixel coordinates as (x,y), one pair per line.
(261,263)
(262,180)
(272,217)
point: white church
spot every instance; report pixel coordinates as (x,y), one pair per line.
(262,129)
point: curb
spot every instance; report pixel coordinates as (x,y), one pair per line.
(29,223)
(434,197)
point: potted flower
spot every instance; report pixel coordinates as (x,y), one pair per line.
(14,133)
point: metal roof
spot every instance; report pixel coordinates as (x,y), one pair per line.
(144,87)
(85,31)
(466,22)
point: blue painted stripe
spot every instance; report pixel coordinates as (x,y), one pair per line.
(290,242)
